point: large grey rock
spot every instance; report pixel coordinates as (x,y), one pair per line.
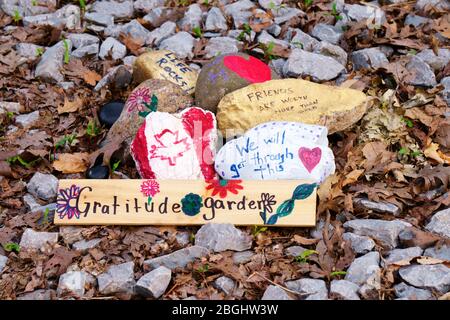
(177,259)
(43,186)
(301,40)
(402,290)
(68,17)
(364,269)
(117,279)
(240,11)
(89,50)
(436,62)
(102,19)
(40,294)
(327,49)
(434,277)
(80,40)
(384,231)
(276,293)
(28,119)
(182,44)
(122,9)
(112,47)
(52,61)
(219,237)
(85,245)
(147,5)
(344,290)
(222,45)
(422,74)
(154,283)
(442,5)
(192,17)
(166,30)
(14,107)
(360,244)
(3,261)
(243,257)
(440,223)
(328,33)
(303,63)
(215,21)
(225,284)
(36,240)
(446,91)
(357,12)
(398,255)
(368,58)
(439,252)
(416,21)
(309,289)
(157,16)
(28,50)
(30,201)
(285,14)
(74,283)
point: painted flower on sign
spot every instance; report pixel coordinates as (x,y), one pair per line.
(222,187)
(150,188)
(66,203)
(191,204)
(138,98)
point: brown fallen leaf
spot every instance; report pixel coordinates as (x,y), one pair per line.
(352,177)
(91,77)
(70,106)
(304,241)
(72,162)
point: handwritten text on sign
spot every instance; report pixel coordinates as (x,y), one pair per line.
(185,202)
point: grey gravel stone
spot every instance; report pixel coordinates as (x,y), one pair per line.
(166,30)
(183,238)
(439,252)
(51,63)
(192,17)
(43,186)
(422,74)
(225,284)
(28,50)
(243,257)
(128,61)
(357,12)
(222,45)
(440,223)
(112,47)
(294,251)
(310,289)
(135,30)
(220,237)
(85,245)
(157,16)
(117,279)
(68,16)
(301,40)
(270,4)
(398,255)
(433,277)
(240,11)
(277,65)
(402,290)
(317,232)
(74,283)
(215,21)
(36,240)
(154,283)
(102,19)
(30,201)
(119,77)
(287,13)
(265,38)
(327,49)
(416,21)
(28,119)
(276,293)
(360,244)
(442,5)
(328,33)
(274,30)
(364,269)
(368,58)
(147,5)
(178,259)
(14,107)
(40,294)
(123,9)
(384,231)
(344,290)
(3,261)
(446,92)
(42,209)
(436,62)
(27,7)
(71,234)
(182,44)
(237,34)
(89,50)
(80,40)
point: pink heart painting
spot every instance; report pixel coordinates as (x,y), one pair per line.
(253,70)
(310,157)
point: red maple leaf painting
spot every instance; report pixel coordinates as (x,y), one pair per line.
(170,146)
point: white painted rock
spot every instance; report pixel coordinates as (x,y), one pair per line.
(278,150)
(176,146)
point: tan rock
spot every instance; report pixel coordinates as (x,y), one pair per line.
(164,65)
(291,100)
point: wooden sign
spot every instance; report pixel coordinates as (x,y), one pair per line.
(186,202)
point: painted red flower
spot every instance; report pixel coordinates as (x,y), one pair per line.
(222,187)
(137,99)
(66,202)
(150,187)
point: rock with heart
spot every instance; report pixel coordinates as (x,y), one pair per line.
(163,64)
(227,73)
(176,146)
(291,100)
(276,151)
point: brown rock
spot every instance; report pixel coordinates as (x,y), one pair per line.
(291,100)
(164,65)
(227,73)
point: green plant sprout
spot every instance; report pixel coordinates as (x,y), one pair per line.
(204,268)
(115,166)
(338,273)
(257,230)
(268,49)
(82,5)
(34,3)
(303,257)
(14,159)
(10,115)
(11,246)
(297,44)
(92,129)
(247,31)
(66,51)
(67,139)
(197,32)
(46,212)
(408,122)
(16,16)
(277,8)
(407,152)
(39,52)
(308,3)
(335,13)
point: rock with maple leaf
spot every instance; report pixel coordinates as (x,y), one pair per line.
(176,146)
(278,150)
(227,73)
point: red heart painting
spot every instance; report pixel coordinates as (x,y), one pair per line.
(310,157)
(253,70)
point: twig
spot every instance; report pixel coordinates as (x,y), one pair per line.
(278,285)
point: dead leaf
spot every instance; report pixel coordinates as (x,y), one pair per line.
(352,176)
(71,162)
(60,260)
(432,152)
(91,77)
(304,241)
(70,106)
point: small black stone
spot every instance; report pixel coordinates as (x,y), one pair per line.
(98,172)
(110,112)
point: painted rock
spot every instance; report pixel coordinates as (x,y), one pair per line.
(291,100)
(176,146)
(165,65)
(227,73)
(277,150)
